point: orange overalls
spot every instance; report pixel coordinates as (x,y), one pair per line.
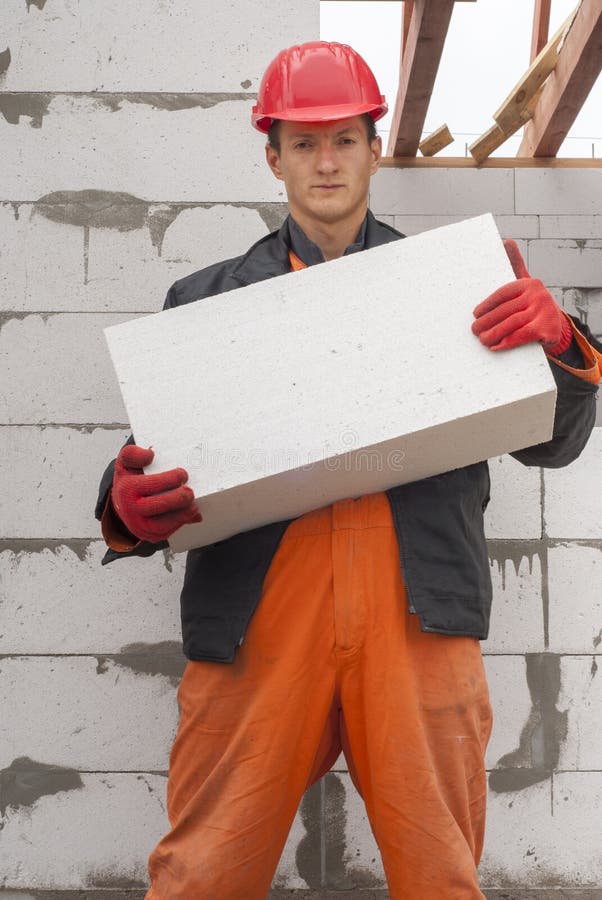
(332,660)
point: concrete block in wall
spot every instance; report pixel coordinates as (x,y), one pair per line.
(511,703)
(442,192)
(577,808)
(307,352)
(567,263)
(89,713)
(571,506)
(96,251)
(509,226)
(42,262)
(558,192)
(546,834)
(287,875)
(586,304)
(575,598)
(145,148)
(581,696)
(74,605)
(517,612)
(148,46)
(67,831)
(352,859)
(514,510)
(55,368)
(51,476)
(572,227)
(520,840)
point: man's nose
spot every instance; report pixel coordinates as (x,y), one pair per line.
(327,161)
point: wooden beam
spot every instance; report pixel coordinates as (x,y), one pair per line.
(578,66)
(541,27)
(493,162)
(510,114)
(406,17)
(417,73)
(436,141)
(495,137)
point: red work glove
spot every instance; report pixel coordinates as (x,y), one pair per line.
(152,507)
(522,311)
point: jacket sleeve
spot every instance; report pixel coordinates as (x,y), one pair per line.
(575,409)
(112,528)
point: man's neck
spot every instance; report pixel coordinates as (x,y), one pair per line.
(333,239)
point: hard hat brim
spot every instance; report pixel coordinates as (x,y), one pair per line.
(262,122)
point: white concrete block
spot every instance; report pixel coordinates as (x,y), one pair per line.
(518,227)
(555,192)
(573,227)
(58,599)
(571,501)
(510,702)
(97,835)
(567,263)
(586,304)
(514,511)
(521,843)
(361,862)
(442,192)
(71,349)
(42,262)
(51,477)
(581,695)
(287,874)
(293,380)
(86,713)
(148,46)
(509,226)
(138,149)
(517,612)
(127,264)
(577,807)
(410,225)
(575,598)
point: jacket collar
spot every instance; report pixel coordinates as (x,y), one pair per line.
(269,256)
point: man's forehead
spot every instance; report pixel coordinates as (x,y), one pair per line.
(295,129)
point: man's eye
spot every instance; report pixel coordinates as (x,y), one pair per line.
(301,145)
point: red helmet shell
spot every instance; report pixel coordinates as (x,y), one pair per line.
(317,82)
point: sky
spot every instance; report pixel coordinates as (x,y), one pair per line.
(486,52)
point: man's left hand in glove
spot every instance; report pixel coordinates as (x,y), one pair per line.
(520,312)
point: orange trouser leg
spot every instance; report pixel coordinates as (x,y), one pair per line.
(417,717)
(249,736)
(332,637)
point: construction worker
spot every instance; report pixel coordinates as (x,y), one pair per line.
(355,626)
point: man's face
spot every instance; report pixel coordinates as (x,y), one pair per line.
(326,168)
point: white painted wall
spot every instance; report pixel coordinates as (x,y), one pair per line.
(75,639)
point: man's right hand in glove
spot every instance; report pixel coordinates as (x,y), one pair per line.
(151,507)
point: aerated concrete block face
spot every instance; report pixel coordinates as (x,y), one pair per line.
(74,606)
(436,192)
(50,490)
(571,496)
(281,385)
(148,150)
(517,613)
(149,46)
(575,597)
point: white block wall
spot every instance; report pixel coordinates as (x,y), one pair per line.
(128,162)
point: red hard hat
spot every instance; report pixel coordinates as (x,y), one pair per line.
(317,82)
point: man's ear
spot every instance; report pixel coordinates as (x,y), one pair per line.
(376,148)
(273,160)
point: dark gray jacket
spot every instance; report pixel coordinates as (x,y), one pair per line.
(438,520)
